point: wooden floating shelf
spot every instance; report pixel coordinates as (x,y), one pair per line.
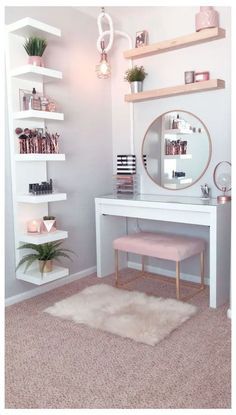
(40,157)
(31,27)
(33,115)
(35,277)
(196,38)
(36,73)
(52,197)
(43,238)
(210,85)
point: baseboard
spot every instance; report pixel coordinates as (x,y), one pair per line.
(229,313)
(48,287)
(166,273)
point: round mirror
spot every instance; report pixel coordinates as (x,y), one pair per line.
(176,150)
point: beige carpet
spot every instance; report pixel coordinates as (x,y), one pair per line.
(55,363)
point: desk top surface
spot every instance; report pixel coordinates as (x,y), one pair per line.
(164,199)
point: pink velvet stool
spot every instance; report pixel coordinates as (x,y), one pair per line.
(163,246)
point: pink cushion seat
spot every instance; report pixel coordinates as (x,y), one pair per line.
(159,245)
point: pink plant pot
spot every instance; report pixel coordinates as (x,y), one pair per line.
(206,18)
(36,60)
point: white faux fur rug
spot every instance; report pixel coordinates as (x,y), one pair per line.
(131,314)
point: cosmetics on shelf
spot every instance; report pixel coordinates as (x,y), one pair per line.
(32,100)
(125,184)
(41,189)
(175,147)
(37,140)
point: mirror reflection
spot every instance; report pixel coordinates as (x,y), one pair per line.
(176,150)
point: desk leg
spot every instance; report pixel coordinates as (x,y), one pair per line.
(220,236)
(108,228)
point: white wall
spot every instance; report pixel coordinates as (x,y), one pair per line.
(164,70)
(167,69)
(85,135)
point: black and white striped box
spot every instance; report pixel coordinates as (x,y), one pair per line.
(126,164)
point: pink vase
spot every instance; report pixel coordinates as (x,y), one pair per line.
(206,18)
(36,60)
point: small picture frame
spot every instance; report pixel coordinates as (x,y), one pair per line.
(141,38)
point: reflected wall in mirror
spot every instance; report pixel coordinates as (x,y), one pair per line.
(176,150)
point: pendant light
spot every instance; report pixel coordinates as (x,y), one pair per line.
(103,69)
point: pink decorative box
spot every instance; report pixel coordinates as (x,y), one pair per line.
(206,18)
(201,76)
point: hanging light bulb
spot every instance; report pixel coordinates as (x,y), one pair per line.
(103,69)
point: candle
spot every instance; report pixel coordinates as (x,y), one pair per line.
(34,226)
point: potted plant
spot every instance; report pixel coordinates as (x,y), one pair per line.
(35,47)
(135,76)
(49,223)
(44,254)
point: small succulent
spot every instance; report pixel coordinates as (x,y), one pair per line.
(137,73)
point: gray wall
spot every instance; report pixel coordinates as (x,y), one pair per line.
(85,135)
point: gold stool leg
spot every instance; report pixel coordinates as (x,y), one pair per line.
(116,266)
(177,280)
(202,270)
(143,263)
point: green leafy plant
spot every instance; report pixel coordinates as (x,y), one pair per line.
(137,73)
(44,252)
(35,46)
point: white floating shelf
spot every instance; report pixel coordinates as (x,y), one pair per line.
(43,238)
(178,131)
(54,197)
(33,114)
(31,27)
(35,277)
(40,157)
(179,157)
(36,73)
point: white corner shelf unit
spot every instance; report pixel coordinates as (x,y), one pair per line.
(43,238)
(34,115)
(36,73)
(35,277)
(26,207)
(40,157)
(53,197)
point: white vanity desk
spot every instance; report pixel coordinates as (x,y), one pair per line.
(112,211)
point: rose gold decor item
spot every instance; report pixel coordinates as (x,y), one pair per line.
(201,76)
(223,182)
(36,61)
(206,18)
(45,266)
(34,226)
(49,225)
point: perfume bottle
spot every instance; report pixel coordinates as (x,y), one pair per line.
(34,103)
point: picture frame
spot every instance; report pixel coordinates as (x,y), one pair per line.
(141,38)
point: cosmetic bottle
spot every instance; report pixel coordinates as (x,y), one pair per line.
(34,103)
